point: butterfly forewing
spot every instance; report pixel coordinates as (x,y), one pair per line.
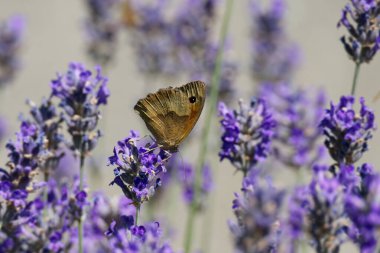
(171,113)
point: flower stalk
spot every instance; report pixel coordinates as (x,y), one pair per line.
(81,220)
(354,81)
(215,83)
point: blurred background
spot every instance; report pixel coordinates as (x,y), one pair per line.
(55,34)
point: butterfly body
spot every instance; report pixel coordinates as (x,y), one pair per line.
(171,113)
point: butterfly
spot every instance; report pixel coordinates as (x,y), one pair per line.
(171,113)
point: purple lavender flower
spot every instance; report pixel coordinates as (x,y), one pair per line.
(297,138)
(257,211)
(318,212)
(186,178)
(25,155)
(80,95)
(192,31)
(205,70)
(45,222)
(48,121)
(102,215)
(138,167)
(346,131)
(151,37)
(193,22)
(18,231)
(299,204)
(362,206)
(11,33)
(67,166)
(247,133)
(64,208)
(361,19)
(147,238)
(274,57)
(102,29)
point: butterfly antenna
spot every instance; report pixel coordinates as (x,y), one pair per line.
(145,136)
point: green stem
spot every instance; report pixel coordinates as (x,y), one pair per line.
(300,175)
(81,176)
(80,225)
(215,82)
(354,81)
(137,215)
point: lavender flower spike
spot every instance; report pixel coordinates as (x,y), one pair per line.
(362,206)
(134,239)
(346,131)
(102,28)
(187,179)
(81,93)
(46,118)
(361,19)
(257,211)
(275,57)
(138,167)
(317,211)
(25,155)
(155,49)
(247,133)
(297,141)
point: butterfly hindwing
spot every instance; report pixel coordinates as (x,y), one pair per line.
(171,113)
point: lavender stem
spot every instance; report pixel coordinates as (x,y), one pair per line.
(80,225)
(215,83)
(354,81)
(137,215)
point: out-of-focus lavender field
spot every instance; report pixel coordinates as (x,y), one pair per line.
(56,33)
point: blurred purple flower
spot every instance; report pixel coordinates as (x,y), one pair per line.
(348,177)
(45,222)
(80,95)
(362,206)
(11,33)
(318,212)
(299,204)
(361,19)
(346,131)
(275,58)
(135,239)
(192,31)
(257,210)
(47,120)
(65,206)
(25,155)
(102,28)
(246,133)
(67,166)
(228,74)
(151,37)
(186,177)
(297,138)
(193,22)
(102,215)
(139,167)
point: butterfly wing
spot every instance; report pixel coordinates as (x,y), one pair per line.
(170,114)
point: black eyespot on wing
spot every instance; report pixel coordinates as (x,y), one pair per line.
(192,99)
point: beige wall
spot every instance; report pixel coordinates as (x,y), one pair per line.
(54,38)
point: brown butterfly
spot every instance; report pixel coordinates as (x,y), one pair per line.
(171,113)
